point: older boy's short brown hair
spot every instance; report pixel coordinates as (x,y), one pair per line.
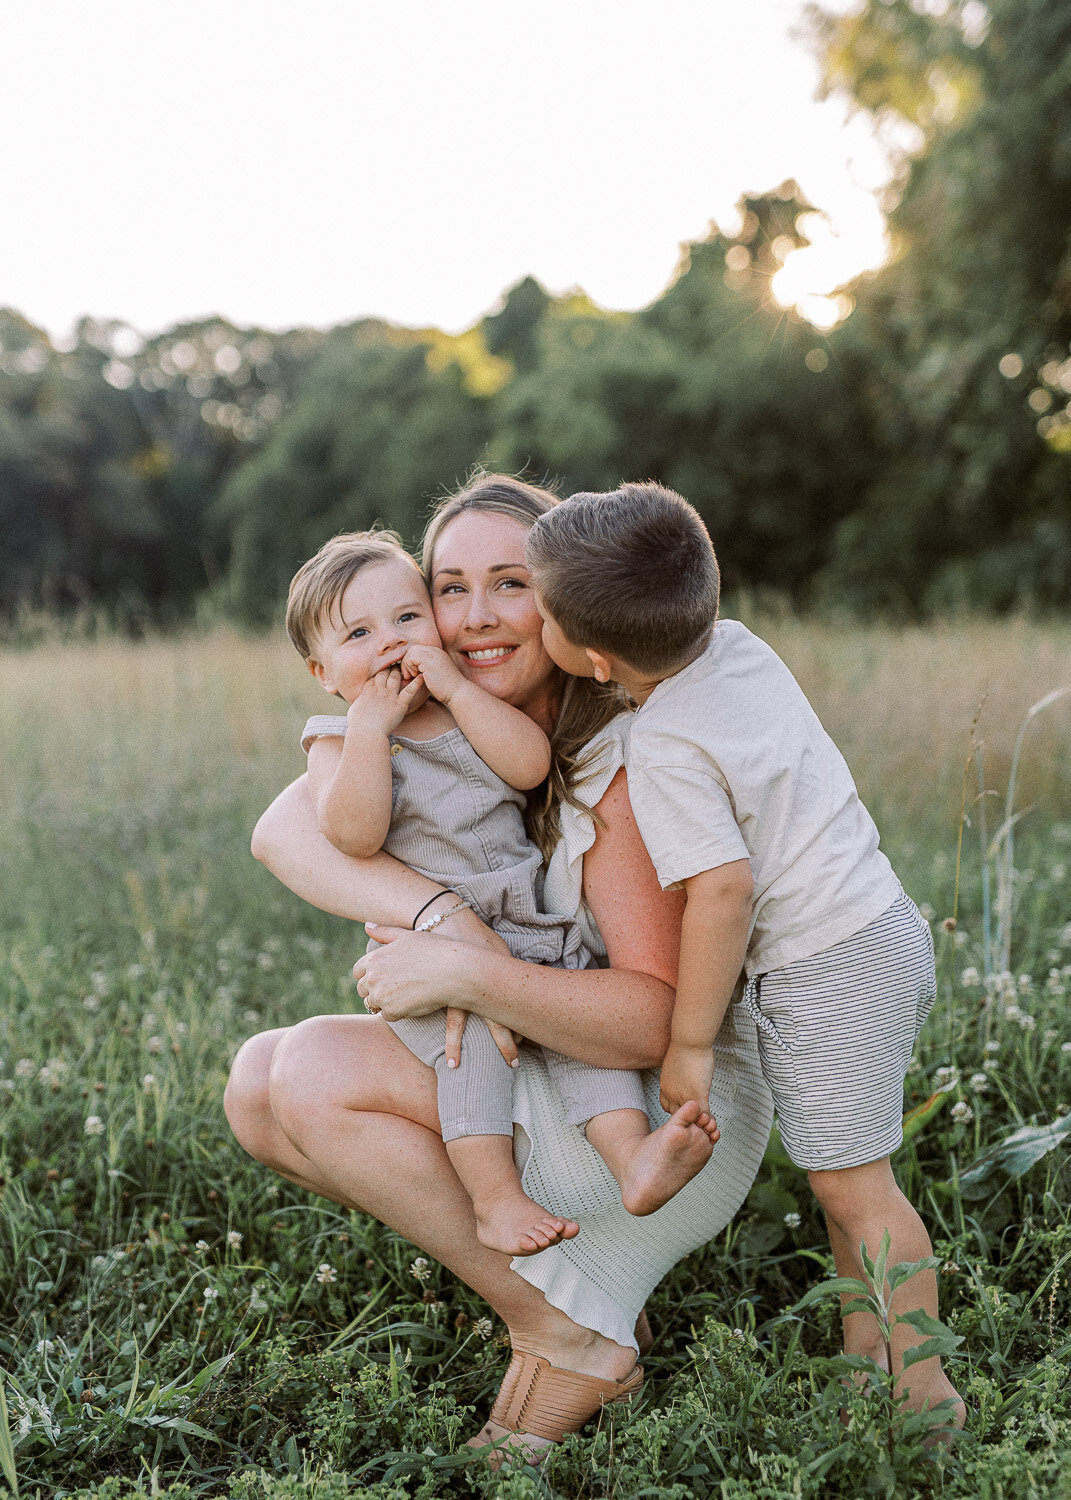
(630,573)
(318,584)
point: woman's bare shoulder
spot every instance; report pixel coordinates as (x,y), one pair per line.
(639,922)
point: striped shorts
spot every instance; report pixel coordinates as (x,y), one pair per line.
(836,1033)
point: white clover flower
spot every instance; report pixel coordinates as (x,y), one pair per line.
(201,1246)
(234,1238)
(135,971)
(154,1044)
(943,1076)
(483,1328)
(99,1261)
(148,1083)
(1050,1034)
(44,1346)
(148,1020)
(970,977)
(979,1082)
(7,1083)
(991,1048)
(1027,1023)
(926,911)
(1065,1047)
(1058,872)
(94,1125)
(210,1294)
(114,1172)
(326,1273)
(91,1002)
(1026,981)
(792,1221)
(24,1068)
(420,1269)
(962,1112)
(1012,1013)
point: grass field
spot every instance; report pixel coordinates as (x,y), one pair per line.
(176,1321)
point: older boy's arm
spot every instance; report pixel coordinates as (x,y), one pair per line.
(714,935)
(350,782)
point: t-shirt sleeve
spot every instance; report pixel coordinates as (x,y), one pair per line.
(686,820)
(323,726)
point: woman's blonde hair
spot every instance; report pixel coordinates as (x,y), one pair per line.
(584,705)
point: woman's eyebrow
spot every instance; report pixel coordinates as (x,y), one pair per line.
(512,567)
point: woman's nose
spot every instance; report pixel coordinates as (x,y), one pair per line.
(480,611)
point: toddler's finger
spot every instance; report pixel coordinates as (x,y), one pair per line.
(504,1040)
(455,1030)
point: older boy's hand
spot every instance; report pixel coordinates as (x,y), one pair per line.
(687,1073)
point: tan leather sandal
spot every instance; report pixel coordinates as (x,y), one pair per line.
(538,1399)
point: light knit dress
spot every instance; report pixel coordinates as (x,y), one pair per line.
(602,1278)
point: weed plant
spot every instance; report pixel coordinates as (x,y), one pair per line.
(175,1320)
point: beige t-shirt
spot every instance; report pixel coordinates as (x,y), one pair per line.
(727,760)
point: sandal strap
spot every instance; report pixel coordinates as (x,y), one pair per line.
(547,1401)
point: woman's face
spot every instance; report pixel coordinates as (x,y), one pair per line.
(481,591)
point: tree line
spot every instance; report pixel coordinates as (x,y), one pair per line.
(914,457)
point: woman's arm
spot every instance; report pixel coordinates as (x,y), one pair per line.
(617,1017)
(288,841)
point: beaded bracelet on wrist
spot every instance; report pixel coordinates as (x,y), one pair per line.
(435,921)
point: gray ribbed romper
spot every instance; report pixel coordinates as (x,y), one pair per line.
(455,821)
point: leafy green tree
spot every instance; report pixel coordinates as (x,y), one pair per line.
(966,334)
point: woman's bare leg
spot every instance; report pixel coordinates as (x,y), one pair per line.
(340,1106)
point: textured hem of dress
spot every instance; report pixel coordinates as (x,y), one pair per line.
(569,1290)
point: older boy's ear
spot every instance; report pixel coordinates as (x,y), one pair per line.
(602,666)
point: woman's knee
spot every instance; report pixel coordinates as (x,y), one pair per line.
(246,1098)
(304,1078)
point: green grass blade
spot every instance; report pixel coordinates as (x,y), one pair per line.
(7,1447)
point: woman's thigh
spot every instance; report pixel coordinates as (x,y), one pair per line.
(354,1063)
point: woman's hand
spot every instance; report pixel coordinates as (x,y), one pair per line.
(415,973)
(687,1073)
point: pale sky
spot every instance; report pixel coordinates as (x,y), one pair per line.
(282,162)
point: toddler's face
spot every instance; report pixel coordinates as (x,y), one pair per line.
(383,610)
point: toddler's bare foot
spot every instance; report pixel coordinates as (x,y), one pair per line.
(667,1159)
(515,1224)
